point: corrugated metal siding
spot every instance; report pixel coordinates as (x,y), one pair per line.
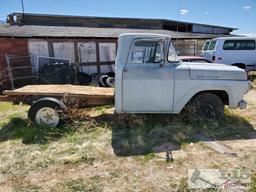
(209,30)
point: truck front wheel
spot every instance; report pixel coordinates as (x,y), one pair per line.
(208,106)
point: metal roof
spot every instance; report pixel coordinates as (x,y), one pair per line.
(236,38)
(7,30)
(119,18)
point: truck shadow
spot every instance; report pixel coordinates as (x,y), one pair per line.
(139,134)
(144,134)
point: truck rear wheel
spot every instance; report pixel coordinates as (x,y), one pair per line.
(45,112)
(208,106)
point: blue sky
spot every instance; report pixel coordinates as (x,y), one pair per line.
(232,13)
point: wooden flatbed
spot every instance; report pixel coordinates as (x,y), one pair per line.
(87,95)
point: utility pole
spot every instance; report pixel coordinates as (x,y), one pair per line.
(23,11)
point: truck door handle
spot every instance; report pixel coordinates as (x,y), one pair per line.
(125,70)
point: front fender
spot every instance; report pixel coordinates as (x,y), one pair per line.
(234,89)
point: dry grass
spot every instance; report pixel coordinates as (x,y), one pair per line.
(99,151)
(252,77)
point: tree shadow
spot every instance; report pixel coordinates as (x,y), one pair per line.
(19,128)
(143,134)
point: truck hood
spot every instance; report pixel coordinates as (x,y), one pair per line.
(211,71)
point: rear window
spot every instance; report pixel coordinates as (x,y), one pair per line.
(212,45)
(206,45)
(239,45)
(145,51)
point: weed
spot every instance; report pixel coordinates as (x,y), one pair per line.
(4,106)
(45,163)
(183,187)
(79,185)
(21,185)
(30,188)
(149,156)
(253,183)
(76,185)
(102,109)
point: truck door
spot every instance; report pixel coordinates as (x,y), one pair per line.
(147,81)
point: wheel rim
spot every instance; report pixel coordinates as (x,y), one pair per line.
(209,112)
(111,82)
(47,116)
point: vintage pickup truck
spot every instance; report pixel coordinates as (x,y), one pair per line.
(149,78)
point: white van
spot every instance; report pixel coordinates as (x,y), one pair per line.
(237,51)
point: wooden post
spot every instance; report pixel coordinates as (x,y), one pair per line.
(98,56)
(78,60)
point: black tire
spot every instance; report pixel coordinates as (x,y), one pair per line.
(35,108)
(111,74)
(208,106)
(102,81)
(96,77)
(84,79)
(110,81)
(1,89)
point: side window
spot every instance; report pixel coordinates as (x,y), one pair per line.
(212,45)
(144,51)
(229,45)
(239,45)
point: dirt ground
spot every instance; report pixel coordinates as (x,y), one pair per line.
(96,150)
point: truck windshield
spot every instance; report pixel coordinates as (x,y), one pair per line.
(206,45)
(212,45)
(172,56)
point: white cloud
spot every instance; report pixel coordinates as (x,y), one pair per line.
(206,12)
(184,11)
(247,7)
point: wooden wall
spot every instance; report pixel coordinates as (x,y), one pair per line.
(10,46)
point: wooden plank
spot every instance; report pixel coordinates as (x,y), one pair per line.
(62,90)
(5,98)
